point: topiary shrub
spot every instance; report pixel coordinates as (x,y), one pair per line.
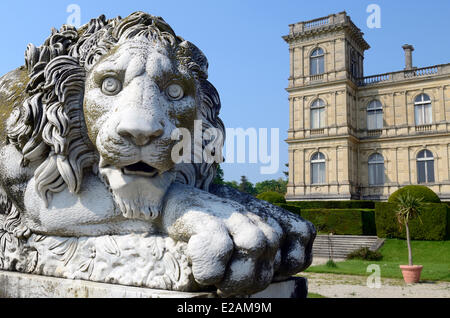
(432,225)
(360,204)
(271,197)
(417,191)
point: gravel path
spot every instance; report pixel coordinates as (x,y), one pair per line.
(349,286)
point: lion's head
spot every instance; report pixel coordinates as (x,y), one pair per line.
(107,97)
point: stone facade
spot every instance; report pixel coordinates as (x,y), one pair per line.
(373,134)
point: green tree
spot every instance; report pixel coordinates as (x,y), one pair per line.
(279,186)
(232,184)
(246,186)
(271,197)
(219,176)
(409,207)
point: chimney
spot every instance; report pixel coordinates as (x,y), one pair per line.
(408,56)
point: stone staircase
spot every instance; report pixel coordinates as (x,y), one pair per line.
(339,246)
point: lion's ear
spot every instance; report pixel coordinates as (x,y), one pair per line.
(196,60)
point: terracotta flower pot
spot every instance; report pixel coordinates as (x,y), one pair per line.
(411,274)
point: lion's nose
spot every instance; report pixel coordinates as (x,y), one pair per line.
(140,131)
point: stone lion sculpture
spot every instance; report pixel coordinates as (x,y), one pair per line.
(88,187)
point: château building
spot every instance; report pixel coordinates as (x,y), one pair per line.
(362,137)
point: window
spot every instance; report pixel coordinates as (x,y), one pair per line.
(318,168)
(425,167)
(317,62)
(376,169)
(354,65)
(375,115)
(318,114)
(422,110)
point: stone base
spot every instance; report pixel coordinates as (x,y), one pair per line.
(296,287)
(18,285)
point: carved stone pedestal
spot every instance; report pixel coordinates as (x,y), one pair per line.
(19,285)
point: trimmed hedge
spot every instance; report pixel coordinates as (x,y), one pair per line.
(271,197)
(337,221)
(342,221)
(435,219)
(334,204)
(291,208)
(418,191)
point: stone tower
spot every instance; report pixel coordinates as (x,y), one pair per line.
(326,58)
(353,136)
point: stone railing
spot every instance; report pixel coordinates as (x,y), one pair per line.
(315,78)
(405,75)
(368,80)
(316,23)
(424,128)
(425,71)
(319,131)
(374,132)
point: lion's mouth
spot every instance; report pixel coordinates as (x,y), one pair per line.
(140,169)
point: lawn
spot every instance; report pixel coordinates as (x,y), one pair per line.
(313,295)
(433,255)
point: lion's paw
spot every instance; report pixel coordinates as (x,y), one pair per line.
(239,255)
(238,251)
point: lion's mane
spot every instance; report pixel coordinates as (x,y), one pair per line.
(49,127)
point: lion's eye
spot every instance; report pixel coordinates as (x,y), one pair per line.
(175,92)
(111,86)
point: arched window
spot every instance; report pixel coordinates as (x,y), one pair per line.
(376,169)
(318,114)
(425,167)
(375,115)
(317,62)
(423,110)
(318,168)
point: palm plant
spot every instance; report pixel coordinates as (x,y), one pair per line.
(409,207)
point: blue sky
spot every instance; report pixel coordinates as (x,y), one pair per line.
(249,61)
